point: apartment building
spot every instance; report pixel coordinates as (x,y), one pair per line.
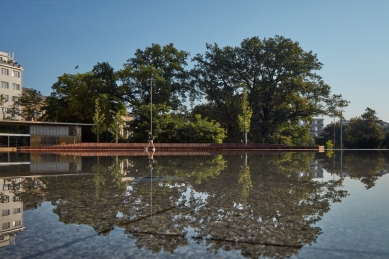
(317,126)
(11,81)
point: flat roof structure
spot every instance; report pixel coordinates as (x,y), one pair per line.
(44,133)
(42,123)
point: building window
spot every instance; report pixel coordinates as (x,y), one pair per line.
(17,223)
(5,213)
(6,225)
(15,73)
(15,86)
(1,237)
(5,71)
(5,97)
(16,210)
(4,85)
(15,98)
(4,199)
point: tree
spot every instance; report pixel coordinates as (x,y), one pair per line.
(73,97)
(116,125)
(165,123)
(3,100)
(363,131)
(328,134)
(13,111)
(175,127)
(283,88)
(335,106)
(245,118)
(166,66)
(31,104)
(201,131)
(99,121)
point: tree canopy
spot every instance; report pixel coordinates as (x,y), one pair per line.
(161,68)
(283,87)
(363,131)
(283,90)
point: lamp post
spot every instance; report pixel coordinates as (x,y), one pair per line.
(151,105)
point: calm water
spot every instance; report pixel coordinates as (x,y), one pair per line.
(296,205)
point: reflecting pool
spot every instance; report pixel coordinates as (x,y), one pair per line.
(292,205)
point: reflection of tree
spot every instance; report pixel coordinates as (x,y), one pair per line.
(263,209)
(364,166)
(199,167)
(279,215)
(33,194)
(245,181)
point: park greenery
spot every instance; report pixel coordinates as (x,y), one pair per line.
(267,90)
(362,132)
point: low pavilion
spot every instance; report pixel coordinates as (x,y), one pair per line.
(41,133)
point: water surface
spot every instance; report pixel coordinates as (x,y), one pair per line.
(294,205)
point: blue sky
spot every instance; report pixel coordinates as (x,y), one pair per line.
(50,37)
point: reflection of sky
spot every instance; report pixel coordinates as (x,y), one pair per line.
(47,238)
(354,228)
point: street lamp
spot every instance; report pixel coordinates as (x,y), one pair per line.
(151,105)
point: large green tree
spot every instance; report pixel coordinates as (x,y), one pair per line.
(31,103)
(160,69)
(73,97)
(283,87)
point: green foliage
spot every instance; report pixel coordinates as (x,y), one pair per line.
(13,111)
(201,131)
(73,97)
(165,123)
(363,131)
(117,124)
(335,105)
(328,134)
(385,143)
(280,77)
(172,127)
(166,67)
(226,114)
(99,121)
(329,144)
(244,119)
(31,103)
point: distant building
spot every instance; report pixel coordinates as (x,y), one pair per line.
(11,81)
(344,122)
(382,124)
(317,126)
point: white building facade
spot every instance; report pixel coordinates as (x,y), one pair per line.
(11,81)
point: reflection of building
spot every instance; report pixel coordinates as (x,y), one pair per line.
(316,169)
(53,163)
(10,85)
(11,209)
